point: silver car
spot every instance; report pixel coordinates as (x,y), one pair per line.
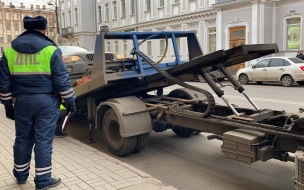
(286,70)
(77,60)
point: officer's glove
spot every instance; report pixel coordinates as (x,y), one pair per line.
(9,111)
(71,108)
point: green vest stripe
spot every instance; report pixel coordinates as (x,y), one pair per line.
(29,64)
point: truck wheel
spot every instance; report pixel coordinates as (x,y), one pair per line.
(142,141)
(182,131)
(179,130)
(118,145)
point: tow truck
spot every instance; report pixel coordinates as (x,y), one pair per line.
(117,98)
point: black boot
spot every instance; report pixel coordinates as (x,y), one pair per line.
(55,182)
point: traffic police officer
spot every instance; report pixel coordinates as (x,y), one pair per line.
(32,73)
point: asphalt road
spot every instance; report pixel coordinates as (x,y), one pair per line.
(196,163)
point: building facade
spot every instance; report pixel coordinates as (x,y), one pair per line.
(218,24)
(258,22)
(11,22)
(78,22)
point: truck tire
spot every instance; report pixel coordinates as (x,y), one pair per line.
(118,145)
(142,141)
(182,131)
(179,130)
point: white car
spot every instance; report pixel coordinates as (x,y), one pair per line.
(286,70)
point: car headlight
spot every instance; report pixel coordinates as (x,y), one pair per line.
(69,59)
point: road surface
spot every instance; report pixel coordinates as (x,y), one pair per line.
(196,163)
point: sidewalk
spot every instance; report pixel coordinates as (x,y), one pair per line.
(78,165)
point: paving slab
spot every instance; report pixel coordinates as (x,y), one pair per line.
(77,164)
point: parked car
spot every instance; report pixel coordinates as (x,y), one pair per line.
(286,70)
(78,61)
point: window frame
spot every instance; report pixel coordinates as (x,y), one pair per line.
(211,33)
(70,18)
(107,12)
(132,8)
(148,5)
(285,32)
(268,60)
(8,26)
(123,9)
(271,60)
(16,24)
(9,38)
(76,16)
(159,3)
(114,6)
(99,8)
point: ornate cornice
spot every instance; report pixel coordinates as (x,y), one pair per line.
(181,19)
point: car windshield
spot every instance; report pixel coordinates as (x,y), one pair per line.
(72,49)
(296,60)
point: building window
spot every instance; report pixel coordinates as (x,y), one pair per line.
(176,1)
(132,4)
(107,11)
(15,16)
(109,46)
(0,26)
(99,14)
(161,3)
(212,39)
(70,18)
(116,47)
(8,26)
(76,16)
(125,46)
(16,27)
(63,20)
(114,10)
(9,38)
(0,14)
(178,44)
(293,37)
(7,16)
(123,8)
(149,48)
(148,5)
(162,46)
(1,38)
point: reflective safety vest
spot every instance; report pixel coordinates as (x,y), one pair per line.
(29,64)
(61,107)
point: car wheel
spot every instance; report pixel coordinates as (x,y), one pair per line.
(300,82)
(259,82)
(287,80)
(243,79)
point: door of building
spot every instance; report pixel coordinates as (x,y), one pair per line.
(237,37)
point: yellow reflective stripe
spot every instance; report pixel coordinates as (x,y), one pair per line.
(62,107)
(33,73)
(38,63)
